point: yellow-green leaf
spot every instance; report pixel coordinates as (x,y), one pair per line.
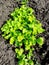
(12,39)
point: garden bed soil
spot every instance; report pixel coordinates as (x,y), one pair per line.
(41,7)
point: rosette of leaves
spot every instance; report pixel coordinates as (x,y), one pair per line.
(21,31)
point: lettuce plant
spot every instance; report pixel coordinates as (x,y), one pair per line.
(21,31)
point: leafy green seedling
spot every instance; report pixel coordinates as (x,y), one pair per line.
(21,31)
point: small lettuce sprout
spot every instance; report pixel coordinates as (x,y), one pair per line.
(21,31)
